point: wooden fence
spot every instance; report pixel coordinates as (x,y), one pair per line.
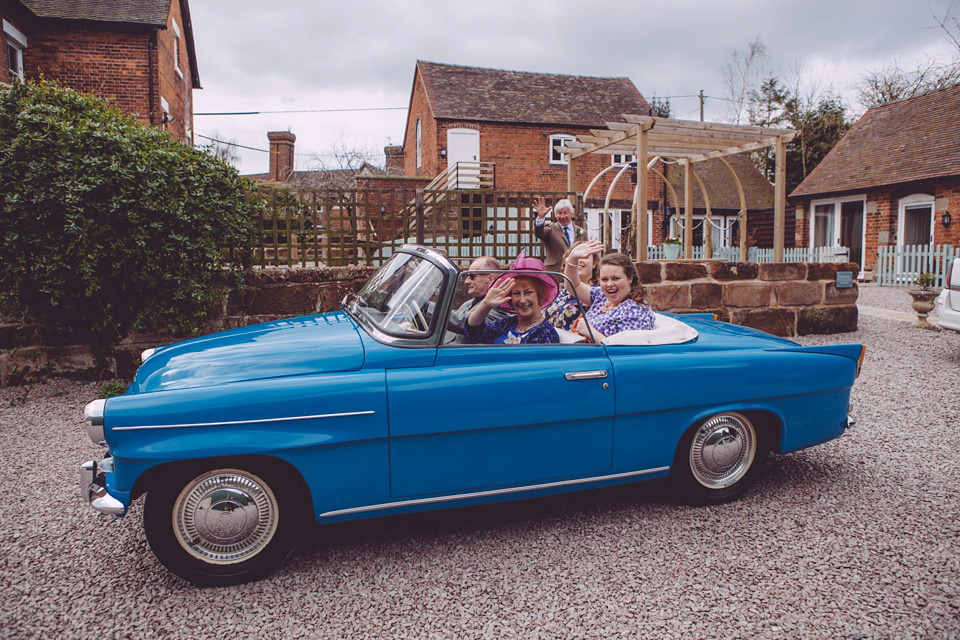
(899,266)
(327,227)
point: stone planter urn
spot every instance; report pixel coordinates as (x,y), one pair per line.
(923,305)
(671,251)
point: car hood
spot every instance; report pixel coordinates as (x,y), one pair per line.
(296,346)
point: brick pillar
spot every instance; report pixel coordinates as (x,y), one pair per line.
(281,155)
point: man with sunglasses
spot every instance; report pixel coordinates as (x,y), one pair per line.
(477,286)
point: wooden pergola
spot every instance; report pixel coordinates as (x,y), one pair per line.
(687,142)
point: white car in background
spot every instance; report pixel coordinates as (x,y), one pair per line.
(948,302)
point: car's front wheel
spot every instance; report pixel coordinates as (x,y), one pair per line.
(719,459)
(219,525)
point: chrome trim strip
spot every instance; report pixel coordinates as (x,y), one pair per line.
(585,375)
(234,422)
(483,494)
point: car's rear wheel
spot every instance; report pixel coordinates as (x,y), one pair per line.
(218,525)
(719,459)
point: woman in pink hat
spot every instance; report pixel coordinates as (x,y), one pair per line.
(610,307)
(520,292)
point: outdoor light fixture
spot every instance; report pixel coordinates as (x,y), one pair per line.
(443,152)
(946,219)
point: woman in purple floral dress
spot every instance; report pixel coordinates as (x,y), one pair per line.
(565,310)
(610,307)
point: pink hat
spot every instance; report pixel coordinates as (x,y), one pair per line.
(528,268)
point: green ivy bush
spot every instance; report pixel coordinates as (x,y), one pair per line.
(107,224)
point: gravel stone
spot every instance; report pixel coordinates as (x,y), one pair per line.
(857,538)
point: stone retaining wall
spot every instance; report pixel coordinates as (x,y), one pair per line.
(783,299)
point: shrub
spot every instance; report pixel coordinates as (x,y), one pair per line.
(107,224)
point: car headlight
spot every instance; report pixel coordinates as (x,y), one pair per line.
(93,418)
(146,353)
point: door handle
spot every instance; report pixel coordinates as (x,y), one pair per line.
(585,375)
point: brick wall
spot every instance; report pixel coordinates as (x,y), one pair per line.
(111,64)
(175,87)
(112,61)
(882,213)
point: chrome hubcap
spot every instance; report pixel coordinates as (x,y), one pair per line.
(722,451)
(225,516)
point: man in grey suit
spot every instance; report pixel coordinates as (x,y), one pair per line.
(559,235)
(477,286)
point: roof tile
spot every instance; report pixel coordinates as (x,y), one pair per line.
(495,95)
(913,139)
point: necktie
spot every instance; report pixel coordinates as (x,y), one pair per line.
(567,232)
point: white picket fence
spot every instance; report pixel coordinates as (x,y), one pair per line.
(754,254)
(899,266)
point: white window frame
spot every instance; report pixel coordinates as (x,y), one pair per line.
(558,139)
(837,218)
(914,200)
(176,47)
(622,158)
(165,111)
(17,42)
(419,148)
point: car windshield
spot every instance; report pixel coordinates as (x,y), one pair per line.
(401,298)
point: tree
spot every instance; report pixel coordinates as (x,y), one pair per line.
(661,107)
(222,148)
(739,75)
(895,83)
(819,118)
(107,224)
(338,168)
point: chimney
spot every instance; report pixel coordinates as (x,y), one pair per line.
(394,159)
(281,155)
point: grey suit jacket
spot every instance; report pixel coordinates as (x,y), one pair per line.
(555,241)
(458,318)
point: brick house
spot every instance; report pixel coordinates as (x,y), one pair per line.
(138,54)
(894,179)
(514,120)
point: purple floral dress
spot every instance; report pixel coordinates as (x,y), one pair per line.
(625,316)
(504,331)
(563,311)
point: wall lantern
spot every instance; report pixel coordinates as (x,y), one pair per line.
(946,219)
(443,152)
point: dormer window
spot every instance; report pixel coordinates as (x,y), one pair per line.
(558,140)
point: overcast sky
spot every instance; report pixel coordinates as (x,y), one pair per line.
(310,55)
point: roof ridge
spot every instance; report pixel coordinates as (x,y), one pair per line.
(532,73)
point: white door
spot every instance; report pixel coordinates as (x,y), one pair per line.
(463,147)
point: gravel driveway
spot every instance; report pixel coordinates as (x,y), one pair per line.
(858,538)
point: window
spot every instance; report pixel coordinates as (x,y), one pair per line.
(823,225)
(16,43)
(558,141)
(621,158)
(165,110)
(176,47)
(419,155)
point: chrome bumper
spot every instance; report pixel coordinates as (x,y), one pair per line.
(851,421)
(93,488)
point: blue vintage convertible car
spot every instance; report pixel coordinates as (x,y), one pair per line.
(238,438)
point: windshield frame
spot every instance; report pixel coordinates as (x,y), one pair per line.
(441,310)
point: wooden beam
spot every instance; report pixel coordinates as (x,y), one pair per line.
(571,179)
(707,222)
(640,195)
(779,200)
(743,209)
(704,126)
(688,209)
(741,148)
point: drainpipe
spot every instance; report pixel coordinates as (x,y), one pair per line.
(151,47)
